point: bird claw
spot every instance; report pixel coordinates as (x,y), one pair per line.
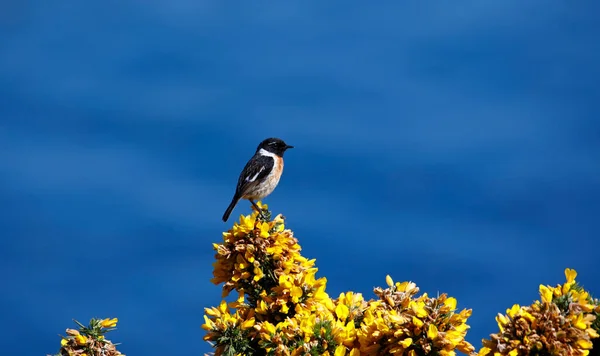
(260,211)
(262,216)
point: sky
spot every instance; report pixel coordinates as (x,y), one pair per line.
(454,145)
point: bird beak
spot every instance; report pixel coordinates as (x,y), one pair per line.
(288,146)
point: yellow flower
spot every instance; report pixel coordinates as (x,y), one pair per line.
(389,281)
(262,206)
(570,274)
(584,344)
(296,293)
(340,351)
(109,323)
(484,351)
(223,307)
(342,312)
(465,347)
(81,340)
(447,353)
(262,307)
(258,274)
(406,287)
(419,308)
(406,342)
(451,303)
(247,222)
(417,321)
(512,312)
(501,320)
(454,337)
(208,324)
(546,294)
(248,324)
(264,229)
(432,332)
(579,322)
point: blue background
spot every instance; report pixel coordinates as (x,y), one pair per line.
(452,144)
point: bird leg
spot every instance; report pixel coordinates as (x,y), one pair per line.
(258,209)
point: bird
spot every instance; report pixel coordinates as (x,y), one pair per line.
(261,174)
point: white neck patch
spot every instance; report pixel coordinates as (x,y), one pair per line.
(264,152)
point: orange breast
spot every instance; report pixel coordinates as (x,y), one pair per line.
(270,182)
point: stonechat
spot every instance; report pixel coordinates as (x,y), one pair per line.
(261,174)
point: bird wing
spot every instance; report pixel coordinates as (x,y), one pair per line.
(255,170)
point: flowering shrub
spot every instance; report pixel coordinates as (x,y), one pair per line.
(89,340)
(282,308)
(564,322)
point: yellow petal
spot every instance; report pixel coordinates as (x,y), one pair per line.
(208,324)
(484,351)
(579,322)
(389,281)
(451,303)
(432,332)
(406,342)
(258,274)
(501,319)
(212,311)
(570,274)
(81,339)
(264,230)
(512,312)
(248,324)
(342,312)
(447,353)
(109,323)
(269,327)
(419,309)
(296,293)
(546,294)
(340,351)
(465,347)
(223,307)
(584,344)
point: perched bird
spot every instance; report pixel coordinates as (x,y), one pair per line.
(261,174)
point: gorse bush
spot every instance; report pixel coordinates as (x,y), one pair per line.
(564,322)
(282,308)
(89,340)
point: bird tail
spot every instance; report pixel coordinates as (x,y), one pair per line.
(230,208)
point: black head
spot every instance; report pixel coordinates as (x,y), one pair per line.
(274,145)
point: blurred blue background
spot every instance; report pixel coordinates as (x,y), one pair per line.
(455,145)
